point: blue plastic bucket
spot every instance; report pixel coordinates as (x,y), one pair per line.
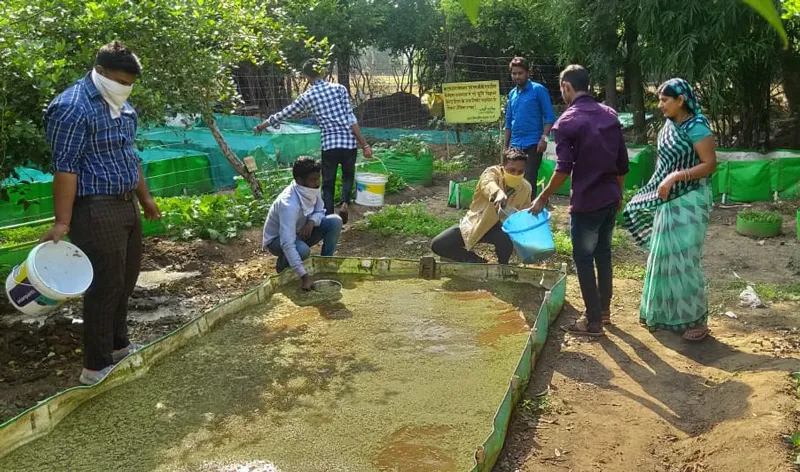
(531,235)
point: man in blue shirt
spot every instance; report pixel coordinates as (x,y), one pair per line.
(97,189)
(330,104)
(297,221)
(529,117)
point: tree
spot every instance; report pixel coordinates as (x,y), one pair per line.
(187,47)
(408,27)
(589,32)
(789,60)
(348,25)
(723,48)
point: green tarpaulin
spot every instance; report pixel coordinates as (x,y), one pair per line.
(222,172)
(749,176)
(171,172)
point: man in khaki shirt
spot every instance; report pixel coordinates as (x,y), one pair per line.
(499,187)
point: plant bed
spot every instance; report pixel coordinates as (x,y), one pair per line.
(759,224)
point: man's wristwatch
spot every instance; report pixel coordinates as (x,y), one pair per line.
(544,138)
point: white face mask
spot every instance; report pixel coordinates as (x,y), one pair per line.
(113,92)
(308,197)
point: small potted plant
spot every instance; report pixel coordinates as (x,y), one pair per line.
(759,224)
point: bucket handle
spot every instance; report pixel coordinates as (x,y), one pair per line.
(376,158)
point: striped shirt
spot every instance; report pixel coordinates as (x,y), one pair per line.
(330,105)
(86,141)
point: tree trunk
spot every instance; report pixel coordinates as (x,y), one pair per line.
(626,85)
(238,165)
(637,85)
(790,71)
(343,71)
(611,87)
(410,57)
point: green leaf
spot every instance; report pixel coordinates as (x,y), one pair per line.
(766,8)
(794,439)
(471,9)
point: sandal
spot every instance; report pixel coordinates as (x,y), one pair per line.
(582,327)
(643,322)
(696,334)
(606,318)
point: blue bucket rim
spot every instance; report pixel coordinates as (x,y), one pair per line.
(533,226)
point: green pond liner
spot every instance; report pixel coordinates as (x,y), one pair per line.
(42,419)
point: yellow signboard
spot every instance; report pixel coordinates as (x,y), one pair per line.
(472,102)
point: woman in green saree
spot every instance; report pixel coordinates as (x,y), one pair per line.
(669,217)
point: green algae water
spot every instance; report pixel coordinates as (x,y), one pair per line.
(396,375)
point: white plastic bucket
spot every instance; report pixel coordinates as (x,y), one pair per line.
(370,188)
(51,275)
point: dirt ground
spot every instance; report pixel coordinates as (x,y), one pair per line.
(633,401)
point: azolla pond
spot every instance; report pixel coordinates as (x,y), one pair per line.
(395,373)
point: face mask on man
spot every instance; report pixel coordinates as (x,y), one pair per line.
(113,92)
(308,197)
(512,180)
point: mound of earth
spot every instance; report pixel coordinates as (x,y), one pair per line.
(399,110)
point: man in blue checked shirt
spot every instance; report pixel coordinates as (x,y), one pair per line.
(529,117)
(97,190)
(330,105)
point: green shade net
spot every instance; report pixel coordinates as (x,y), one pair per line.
(290,140)
(442,137)
(172,172)
(222,172)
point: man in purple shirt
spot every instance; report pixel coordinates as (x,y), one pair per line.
(591,148)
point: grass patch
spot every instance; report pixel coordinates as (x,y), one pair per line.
(563,242)
(538,405)
(23,234)
(627,270)
(460,163)
(772,217)
(768,291)
(411,219)
(794,439)
(449,167)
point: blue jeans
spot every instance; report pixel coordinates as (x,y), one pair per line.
(591,235)
(328,232)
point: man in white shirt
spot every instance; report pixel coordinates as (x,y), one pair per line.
(297,221)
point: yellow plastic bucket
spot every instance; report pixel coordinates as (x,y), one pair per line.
(370,188)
